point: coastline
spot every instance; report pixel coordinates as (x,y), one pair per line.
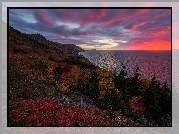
(59,77)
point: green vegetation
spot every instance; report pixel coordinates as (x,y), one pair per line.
(42,70)
(75,60)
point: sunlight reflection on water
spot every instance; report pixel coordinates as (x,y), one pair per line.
(150,63)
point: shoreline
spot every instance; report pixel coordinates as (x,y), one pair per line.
(130,71)
(53,72)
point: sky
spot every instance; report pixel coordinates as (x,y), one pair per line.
(103,29)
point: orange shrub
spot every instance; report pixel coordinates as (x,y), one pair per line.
(69,77)
(105,82)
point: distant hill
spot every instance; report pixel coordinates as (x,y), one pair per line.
(37,44)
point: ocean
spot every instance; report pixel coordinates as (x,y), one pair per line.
(149,62)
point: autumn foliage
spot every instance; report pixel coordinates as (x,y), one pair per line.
(50,112)
(138,107)
(41,73)
(105,82)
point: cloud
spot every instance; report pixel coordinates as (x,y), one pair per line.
(124,27)
(16,18)
(133,26)
(40,16)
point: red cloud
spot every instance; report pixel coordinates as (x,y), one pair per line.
(43,18)
(150,24)
(156,31)
(143,11)
(89,16)
(133,26)
(163,32)
(102,12)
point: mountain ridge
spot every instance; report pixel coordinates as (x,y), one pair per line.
(39,41)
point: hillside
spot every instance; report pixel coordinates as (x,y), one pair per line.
(51,85)
(37,44)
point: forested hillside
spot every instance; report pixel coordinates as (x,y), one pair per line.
(49,84)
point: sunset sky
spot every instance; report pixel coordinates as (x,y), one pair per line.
(107,29)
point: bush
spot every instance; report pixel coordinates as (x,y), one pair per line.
(129,87)
(67,77)
(57,71)
(49,112)
(39,63)
(14,71)
(105,82)
(91,84)
(135,105)
(81,64)
(30,85)
(157,100)
(111,101)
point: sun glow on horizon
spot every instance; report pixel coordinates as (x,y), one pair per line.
(99,29)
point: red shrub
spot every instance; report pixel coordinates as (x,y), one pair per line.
(135,105)
(49,112)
